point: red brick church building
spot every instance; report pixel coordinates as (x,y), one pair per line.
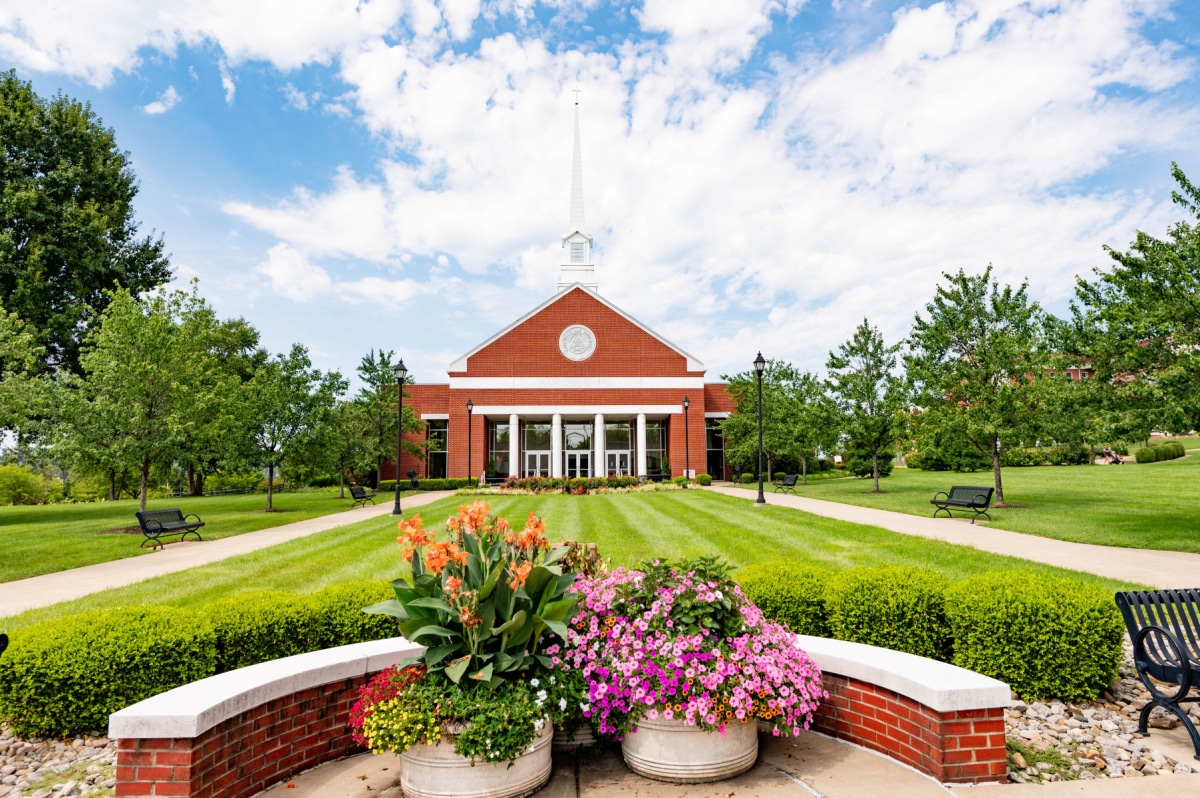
(576,387)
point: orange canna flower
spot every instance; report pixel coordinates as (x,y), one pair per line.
(520,574)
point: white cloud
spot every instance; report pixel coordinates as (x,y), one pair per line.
(227,82)
(165,102)
(292,275)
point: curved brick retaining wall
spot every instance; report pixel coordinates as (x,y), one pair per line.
(236,733)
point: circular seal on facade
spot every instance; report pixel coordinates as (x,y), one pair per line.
(577,342)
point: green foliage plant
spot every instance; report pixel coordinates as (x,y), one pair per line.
(1155,453)
(869,393)
(790,593)
(900,608)
(67,675)
(258,625)
(1046,637)
(23,485)
(704,480)
(484,602)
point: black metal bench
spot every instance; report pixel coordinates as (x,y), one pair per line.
(787,484)
(156,524)
(1164,626)
(963,497)
(362,495)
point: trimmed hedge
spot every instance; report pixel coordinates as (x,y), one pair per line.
(704,479)
(898,608)
(66,676)
(1044,636)
(790,593)
(389,485)
(1157,452)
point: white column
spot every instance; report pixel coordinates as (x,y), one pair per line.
(514,445)
(641,445)
(600,469)
(556,446)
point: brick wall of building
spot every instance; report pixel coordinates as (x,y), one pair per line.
(964,747)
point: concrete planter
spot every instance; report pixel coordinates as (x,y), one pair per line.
(671,750)
(580,738)
(436,771)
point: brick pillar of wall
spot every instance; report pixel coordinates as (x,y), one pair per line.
(247,753)
(963,747)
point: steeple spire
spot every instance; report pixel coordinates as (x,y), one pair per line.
(577,176)
(578,267)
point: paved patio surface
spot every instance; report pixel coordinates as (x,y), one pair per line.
(803,767)
(41,591)
(1161,569)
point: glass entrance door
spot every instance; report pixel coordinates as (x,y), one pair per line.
(579,464)
(618,463)
(537,464)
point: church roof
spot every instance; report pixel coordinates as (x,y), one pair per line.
(460,364)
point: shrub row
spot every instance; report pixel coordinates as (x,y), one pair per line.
(66,676)
(1159,451)
(1046,637)
(389,485)
(1062,454)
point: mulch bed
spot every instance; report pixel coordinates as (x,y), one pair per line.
(122,530)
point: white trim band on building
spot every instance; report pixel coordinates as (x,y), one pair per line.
(938,685)
(578,410)
(576,383)
(435,416)
(706,415)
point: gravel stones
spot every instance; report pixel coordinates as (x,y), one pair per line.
(53,768)
(1091,740)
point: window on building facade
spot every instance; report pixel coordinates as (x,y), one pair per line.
(715,443)
(656,447)
(537,437)
(578,253)
(497,449)
(435,458)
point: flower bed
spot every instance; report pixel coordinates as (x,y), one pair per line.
(578,486)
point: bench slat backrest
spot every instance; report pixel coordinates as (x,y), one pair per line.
(161,516)
(790,480)
(963,493)
(357,492)
(1177,611)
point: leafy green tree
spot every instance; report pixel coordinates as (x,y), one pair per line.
(868,392)
(974,362)
(150,374)
(67,228)
(286,403)
(378,400)
(812,422)
(341,444)
(1140,324)
(19,390)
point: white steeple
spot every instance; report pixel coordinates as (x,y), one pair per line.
(578,266)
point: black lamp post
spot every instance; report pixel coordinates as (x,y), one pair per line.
(401,372)
(759,365)
(687,451)
(470,415)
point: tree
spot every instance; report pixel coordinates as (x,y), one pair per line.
(973,362)
(341,443)
(150,374)
(378,400)
(811,423)
(868,391)
(19,390)
(67,228)
(286,402)
(1140,324)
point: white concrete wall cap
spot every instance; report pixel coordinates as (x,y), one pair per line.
(191,710)
(938,685)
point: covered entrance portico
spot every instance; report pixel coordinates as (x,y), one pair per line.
(578,441)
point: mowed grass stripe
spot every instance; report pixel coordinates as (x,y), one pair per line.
(628,529)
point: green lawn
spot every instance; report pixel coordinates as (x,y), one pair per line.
(1152,506)
(627,527)
(40,539)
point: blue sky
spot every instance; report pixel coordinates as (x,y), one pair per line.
(759,174)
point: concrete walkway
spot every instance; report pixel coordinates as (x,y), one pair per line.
(1161,569)
(42,591)
(802,767)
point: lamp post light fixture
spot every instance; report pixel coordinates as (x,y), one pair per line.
(470,418)
(401,372)
(687,452)
(759,364)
